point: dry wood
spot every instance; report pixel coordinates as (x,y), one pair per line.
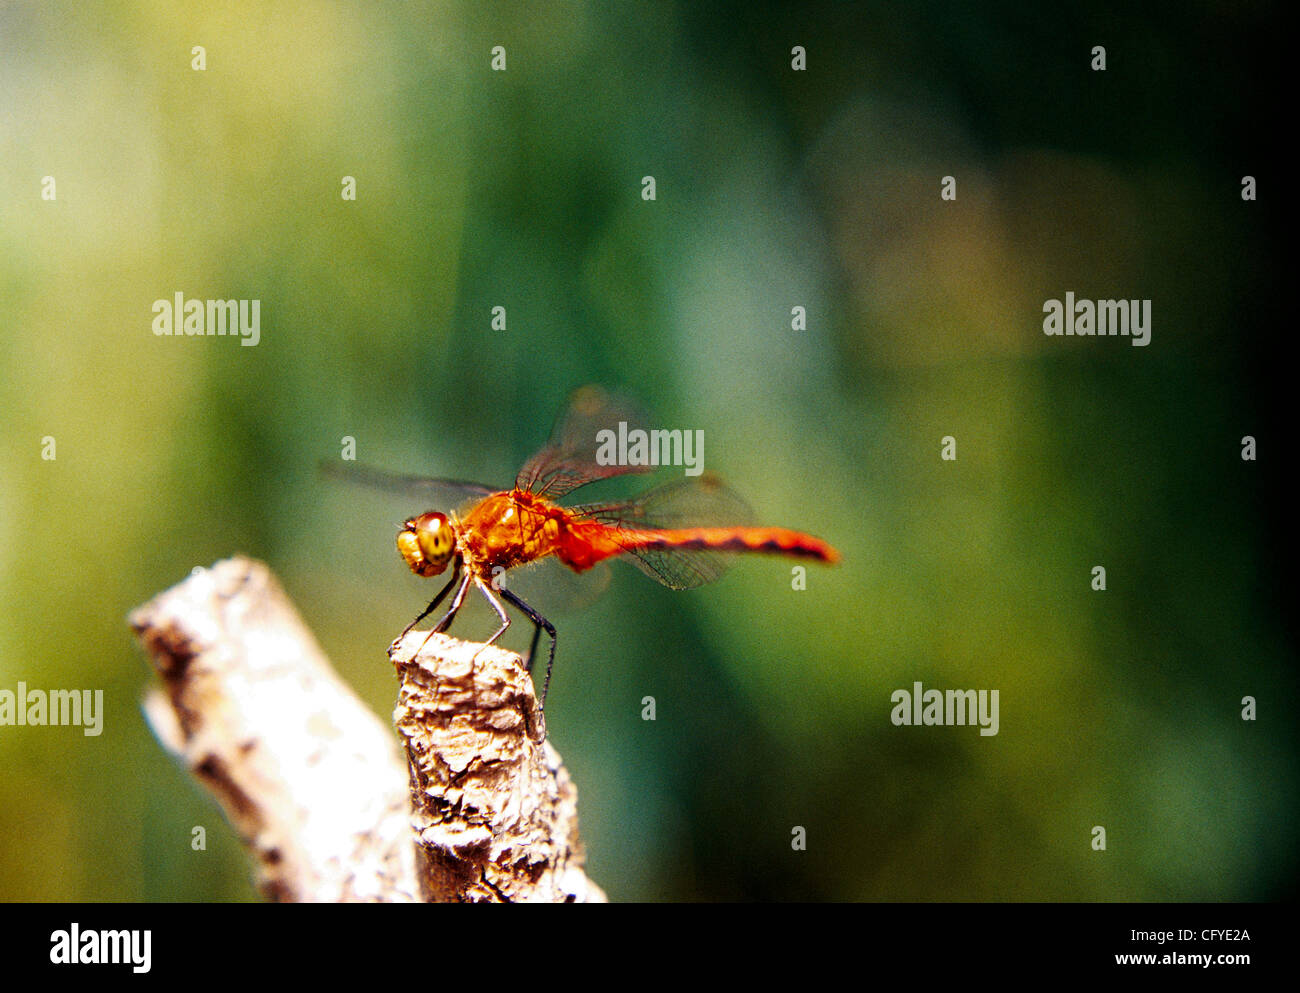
(496,813)
(314,782)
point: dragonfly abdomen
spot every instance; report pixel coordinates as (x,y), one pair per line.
(768,541)
(588,544)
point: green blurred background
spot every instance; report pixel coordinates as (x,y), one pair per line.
(775,189)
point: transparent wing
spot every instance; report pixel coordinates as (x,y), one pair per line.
(569,458)
(699,501)
(437,494)
(550,587)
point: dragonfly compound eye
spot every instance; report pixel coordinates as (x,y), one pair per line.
(427,543)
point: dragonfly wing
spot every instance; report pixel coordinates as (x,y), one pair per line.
(693,501)
(547,585)
(677,569)
(700,501)
(443,494)
(569,459)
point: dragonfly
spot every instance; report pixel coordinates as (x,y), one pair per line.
(682,534)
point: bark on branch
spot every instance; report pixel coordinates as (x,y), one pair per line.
(315,784)
(496,814)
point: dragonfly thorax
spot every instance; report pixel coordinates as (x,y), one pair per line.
(508,529)
(427,543)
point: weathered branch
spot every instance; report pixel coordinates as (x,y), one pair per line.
(309,777)
(496,814)
(314,782)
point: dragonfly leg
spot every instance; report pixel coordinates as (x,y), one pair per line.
(455,575)
(445,623)
(496,605)
(539,622)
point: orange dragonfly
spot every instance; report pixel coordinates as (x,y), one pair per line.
(680,534)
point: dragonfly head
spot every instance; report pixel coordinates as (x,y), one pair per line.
(427,543)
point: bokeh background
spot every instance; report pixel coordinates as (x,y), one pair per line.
(775,189)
